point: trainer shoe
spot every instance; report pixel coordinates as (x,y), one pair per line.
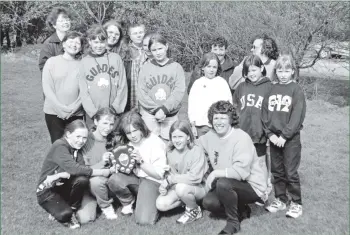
(109,212)
(190,215)
(276,205)
(127,210)
(73,223)
(295,210)
(51,218)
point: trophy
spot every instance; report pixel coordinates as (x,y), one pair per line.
(123,161)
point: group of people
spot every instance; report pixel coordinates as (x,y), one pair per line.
(242,135)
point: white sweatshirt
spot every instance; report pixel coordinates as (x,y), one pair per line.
(153,151)
(203,94)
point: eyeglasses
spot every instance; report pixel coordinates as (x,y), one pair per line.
(63,21)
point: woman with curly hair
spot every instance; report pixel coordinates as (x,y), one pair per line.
(239,176)
(266,48)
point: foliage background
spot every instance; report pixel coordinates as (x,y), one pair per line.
(189,26)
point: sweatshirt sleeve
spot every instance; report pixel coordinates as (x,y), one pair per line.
(49,89)
(177,94)
(236,78)
(192,102)
(45,53)
(265,115)
(225,91)
(241,159)
(298,110)
(64,159)
(158,158)
(120,100)
(198,168)
(86,100)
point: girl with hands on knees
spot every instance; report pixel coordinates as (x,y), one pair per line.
(62,199)
(142,184)
(96,156)
(183,183)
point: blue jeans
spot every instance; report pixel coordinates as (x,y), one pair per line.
(126,187)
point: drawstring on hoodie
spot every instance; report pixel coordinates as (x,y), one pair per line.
(110,80)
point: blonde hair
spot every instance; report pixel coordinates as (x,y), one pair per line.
(285,61)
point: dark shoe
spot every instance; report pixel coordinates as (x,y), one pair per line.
(245,214)
(235,230)
(231,229)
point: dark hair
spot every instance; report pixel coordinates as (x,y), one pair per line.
(205,60)
(105,112)
(96,31)
(129,118)
(157,38)
(219,41)
(268,47)
(185,127)
(252,60)
(285,61)
(72,35)
(224,107)
(118,25)
(76,124)
(55,12)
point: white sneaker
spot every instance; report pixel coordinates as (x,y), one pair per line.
(51,218)
(73,223)
(276,205)
(295,210)
(190,215)
(127,210)
(109,213)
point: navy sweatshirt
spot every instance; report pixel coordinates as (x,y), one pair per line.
(61,159)
(283,110)
(249,98)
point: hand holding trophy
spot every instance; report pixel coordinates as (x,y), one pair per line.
(123,160)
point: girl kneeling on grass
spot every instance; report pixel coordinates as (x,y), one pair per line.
(184,181)
(61,87)
(60,195)
(150,155)
(96,156)
(161,87)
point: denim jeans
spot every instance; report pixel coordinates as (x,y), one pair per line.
(284,168)
(231,196)
(60,201)
(125,187)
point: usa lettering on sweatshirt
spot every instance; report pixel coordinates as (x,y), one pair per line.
(283,110)
(249,98)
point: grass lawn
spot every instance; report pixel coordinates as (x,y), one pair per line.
(324,170)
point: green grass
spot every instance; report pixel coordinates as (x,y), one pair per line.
(324,170)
